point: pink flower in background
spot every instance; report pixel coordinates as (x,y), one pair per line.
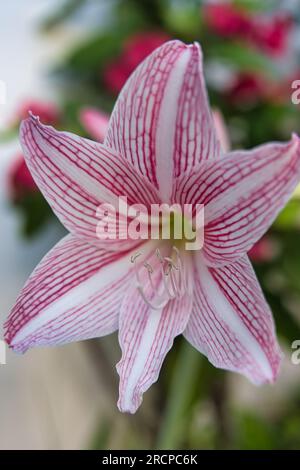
(139,46)
(95,122)
(20,180)
(48,112)
(267,33)
(135,49)
(115,75)
(227,20)
(264,250)
(161,146)
(271,34)
(247,89)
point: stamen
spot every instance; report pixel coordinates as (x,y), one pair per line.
(148,267)
(159,255)
(172,274)
(135,256)
(171,263)
(171,294)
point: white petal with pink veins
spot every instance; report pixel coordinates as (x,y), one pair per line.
(76,175)
(242,193)
(74,293)
(231,322)
(161,122)
(145,336)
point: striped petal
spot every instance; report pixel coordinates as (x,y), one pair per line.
(145,336)
(161,122)
(231,322)
(242,194)
(76,175)
(221,130)
(75,293)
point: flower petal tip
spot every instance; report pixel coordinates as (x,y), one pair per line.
(295,138)
(295,145)
(8,338)
(193,45)
(129,402)
(275,367)
(32,122)
(129,408)
(197,47)
(34,117)
(26,125)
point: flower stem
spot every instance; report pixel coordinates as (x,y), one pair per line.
(182,390)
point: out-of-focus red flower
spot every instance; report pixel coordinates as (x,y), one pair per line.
(135,49)
(139,46)
(267,33)
(20,180)
(271,34)
(264,250)
(246,89)
(47,112)
(227,20)
(115,75)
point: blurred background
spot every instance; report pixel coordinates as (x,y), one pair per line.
(67,61)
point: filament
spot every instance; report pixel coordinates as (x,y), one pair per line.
(173,275)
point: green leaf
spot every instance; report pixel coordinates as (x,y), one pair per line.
(96,52)
(36,213)
(253,433)
(183,19)
(289,217)
(256,5)
(101,436)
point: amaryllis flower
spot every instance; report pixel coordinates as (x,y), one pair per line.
(161,146)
